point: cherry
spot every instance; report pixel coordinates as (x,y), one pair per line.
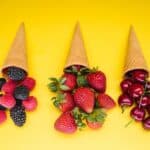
(146,123)
(148,86)
(125,100)
(137,113)
(136,90)
(145,101)
(139,75)
(125,84)
(148,109)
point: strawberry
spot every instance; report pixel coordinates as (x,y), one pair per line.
(29,83)
(3,116)
(94,125)
(96,119)
(30,103)
(66,83)
(7,101)
(64,101)
(66,123)
(84,98)
(9,87)
(97,80)
(105,101)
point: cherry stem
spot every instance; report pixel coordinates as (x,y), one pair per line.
(129,123)
(123,109)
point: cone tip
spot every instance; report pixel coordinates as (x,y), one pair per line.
(21,27)
(77,27)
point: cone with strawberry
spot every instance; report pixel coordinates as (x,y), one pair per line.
(15,85)
(135,84)
(80,91)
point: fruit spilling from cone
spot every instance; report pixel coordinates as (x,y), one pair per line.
(80,91)
(81,98)
(15,85)
(15,98)
(135,86)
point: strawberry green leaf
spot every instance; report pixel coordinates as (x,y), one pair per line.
(81,81)
(64,87)
(98,115)
(53,79)
(62,80)
(53,87)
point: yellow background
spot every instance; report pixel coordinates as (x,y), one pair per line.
(49,27)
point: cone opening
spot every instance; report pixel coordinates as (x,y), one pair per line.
(4,70)
(68,67)
(128,73)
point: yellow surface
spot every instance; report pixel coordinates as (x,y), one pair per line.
(49,27)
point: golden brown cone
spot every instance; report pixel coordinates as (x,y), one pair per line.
(77,54)
(134,59)
(17,54)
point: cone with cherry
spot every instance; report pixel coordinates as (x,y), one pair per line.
(80,91)
(16,85)
(135,85)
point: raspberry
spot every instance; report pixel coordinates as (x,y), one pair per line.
(3,116)
(30,103)
(7,101)
(29,83)
(9,87)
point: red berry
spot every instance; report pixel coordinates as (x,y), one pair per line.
(96,119)
(84,98)
(125,100)
(94,125)
(148,109)
(97,80)
(105,101)
(70,81)
(30,103)
(67,103)
(145,101)
(3,116)
(137,113)
(9,87)
(148,86)
(29,83)
(125,84)
(66,123)
(7,101)
(146,123)
(139,75)
(136,90)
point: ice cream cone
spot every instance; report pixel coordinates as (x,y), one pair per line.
(77,54)
(17,56)
(135,59)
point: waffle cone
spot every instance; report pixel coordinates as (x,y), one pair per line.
(77,54)
(17,56)
(134,59)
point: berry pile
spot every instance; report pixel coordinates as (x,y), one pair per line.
(14,97)
(81,98)
(136,92)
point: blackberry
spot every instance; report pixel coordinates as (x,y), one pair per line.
(21,92)
(2,82)
(18,102)
(18,115)
(2,107)
(16,74)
